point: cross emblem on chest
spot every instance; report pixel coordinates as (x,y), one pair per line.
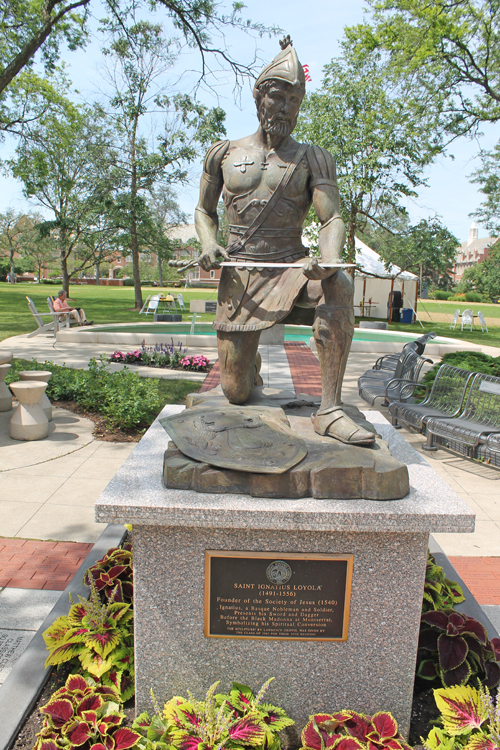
(244,164)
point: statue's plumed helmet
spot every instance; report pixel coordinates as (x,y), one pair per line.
(285,67)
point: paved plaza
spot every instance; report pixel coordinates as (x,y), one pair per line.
(48,489)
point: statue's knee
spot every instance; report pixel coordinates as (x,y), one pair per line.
(236,393)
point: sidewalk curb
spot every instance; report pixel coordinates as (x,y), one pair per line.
(21,689)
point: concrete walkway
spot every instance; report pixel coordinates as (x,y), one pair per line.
(48,489)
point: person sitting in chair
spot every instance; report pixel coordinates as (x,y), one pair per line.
(60,305)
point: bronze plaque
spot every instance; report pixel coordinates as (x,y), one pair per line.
(279,596)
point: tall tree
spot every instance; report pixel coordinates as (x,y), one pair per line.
(427,248)
(27,26)
(166,215)
(63,161)
(139,61)
(488,177)
(450,51)
(14,228)
(369,125)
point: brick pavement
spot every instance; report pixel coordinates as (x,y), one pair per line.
(33,564)
(212,380)
(482,576)
(304,367)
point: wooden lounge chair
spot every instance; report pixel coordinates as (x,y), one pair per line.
(53,324)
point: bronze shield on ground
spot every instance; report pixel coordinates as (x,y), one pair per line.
(236,437)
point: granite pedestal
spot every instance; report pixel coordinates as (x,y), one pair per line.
(373,670)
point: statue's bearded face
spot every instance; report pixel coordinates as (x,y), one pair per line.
(278,104)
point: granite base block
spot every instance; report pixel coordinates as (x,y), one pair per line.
(373,670)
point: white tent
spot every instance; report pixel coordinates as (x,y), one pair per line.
(374,283)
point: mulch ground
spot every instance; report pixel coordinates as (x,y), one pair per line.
(101,430)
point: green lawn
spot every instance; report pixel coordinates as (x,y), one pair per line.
(492,338)
(114,304)
(103,304)
(448,308)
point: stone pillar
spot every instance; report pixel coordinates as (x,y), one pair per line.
(30,375)
(29,421)
(373,670)
(5,394)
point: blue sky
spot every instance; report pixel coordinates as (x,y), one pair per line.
(316,27)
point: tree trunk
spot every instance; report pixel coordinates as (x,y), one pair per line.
(351,242)
(160,275)
(134,242)
(64,262)
(97,273)
(12,272)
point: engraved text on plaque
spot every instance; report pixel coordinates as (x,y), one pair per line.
(297,596)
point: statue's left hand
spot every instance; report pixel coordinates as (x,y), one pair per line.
(314,271)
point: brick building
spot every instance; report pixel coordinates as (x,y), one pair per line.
(471,252)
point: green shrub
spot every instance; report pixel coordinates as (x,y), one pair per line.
(123,398)
(239,721)
(454,649)
(128,282)
(349,730)
(466,360)
(439,591)
(98,639)
(440,294)
(82,715)
(470,718)
(473,297)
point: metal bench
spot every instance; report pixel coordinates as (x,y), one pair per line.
(446,399)
(470,434)
(389,361)
(397,386)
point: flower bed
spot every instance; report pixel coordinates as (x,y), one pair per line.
(169,356)
(95,639)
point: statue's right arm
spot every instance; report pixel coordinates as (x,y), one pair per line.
(205,218)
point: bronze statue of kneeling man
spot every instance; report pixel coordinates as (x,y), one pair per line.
(268,182)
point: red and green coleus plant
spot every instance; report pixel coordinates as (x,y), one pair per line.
(86,716)
(113,575)
(349,730)
(470,719)
(439,591)
(98,638)
(238,721)
(455,649)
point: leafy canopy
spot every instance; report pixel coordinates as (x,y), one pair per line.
(377,132)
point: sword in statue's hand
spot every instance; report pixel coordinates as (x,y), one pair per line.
(183,265)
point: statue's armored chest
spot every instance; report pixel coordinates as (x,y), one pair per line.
(248,170)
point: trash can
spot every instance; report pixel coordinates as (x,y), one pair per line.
(407,315)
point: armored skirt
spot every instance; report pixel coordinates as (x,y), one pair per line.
(257,298)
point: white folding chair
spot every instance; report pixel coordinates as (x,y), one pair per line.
(453,323)
(145,305)
(467,319)
(180,302)
(153,303)
(484,327)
